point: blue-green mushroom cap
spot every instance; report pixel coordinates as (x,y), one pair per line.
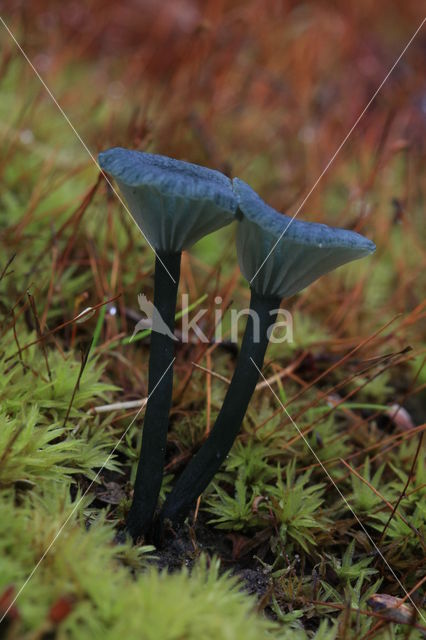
(174,203)
(304,251)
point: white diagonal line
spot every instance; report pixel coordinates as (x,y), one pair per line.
(64,524)
(81,140)
(339,148)
(340,493)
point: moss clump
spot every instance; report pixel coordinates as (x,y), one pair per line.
(36,442)
(83,587)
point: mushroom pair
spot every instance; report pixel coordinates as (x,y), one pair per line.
(175,204)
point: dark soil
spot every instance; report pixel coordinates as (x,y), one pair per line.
(183,546)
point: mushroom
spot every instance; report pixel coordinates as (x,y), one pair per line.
(174,203)
(279,256)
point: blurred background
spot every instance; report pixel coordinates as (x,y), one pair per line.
(266,90)
(263,89)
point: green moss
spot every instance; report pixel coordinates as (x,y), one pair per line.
(85,570)
(270,493)
(35,441)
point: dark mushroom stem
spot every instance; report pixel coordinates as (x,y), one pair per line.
(149,474)
(206,462)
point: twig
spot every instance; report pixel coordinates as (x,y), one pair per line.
(84,355)
(373,614)
(388,504)
(8,263)
(117,406)
(410,475)
(63,325)
(39,334)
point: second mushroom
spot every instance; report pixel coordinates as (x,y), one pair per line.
(278,256)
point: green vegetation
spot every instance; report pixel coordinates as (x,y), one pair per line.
(268,97)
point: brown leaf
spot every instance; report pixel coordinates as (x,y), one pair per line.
(60,609)
(391,607)
(6,600)
(113,494)
(400,417)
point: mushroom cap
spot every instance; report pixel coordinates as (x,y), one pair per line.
(174,203)
(304,252)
